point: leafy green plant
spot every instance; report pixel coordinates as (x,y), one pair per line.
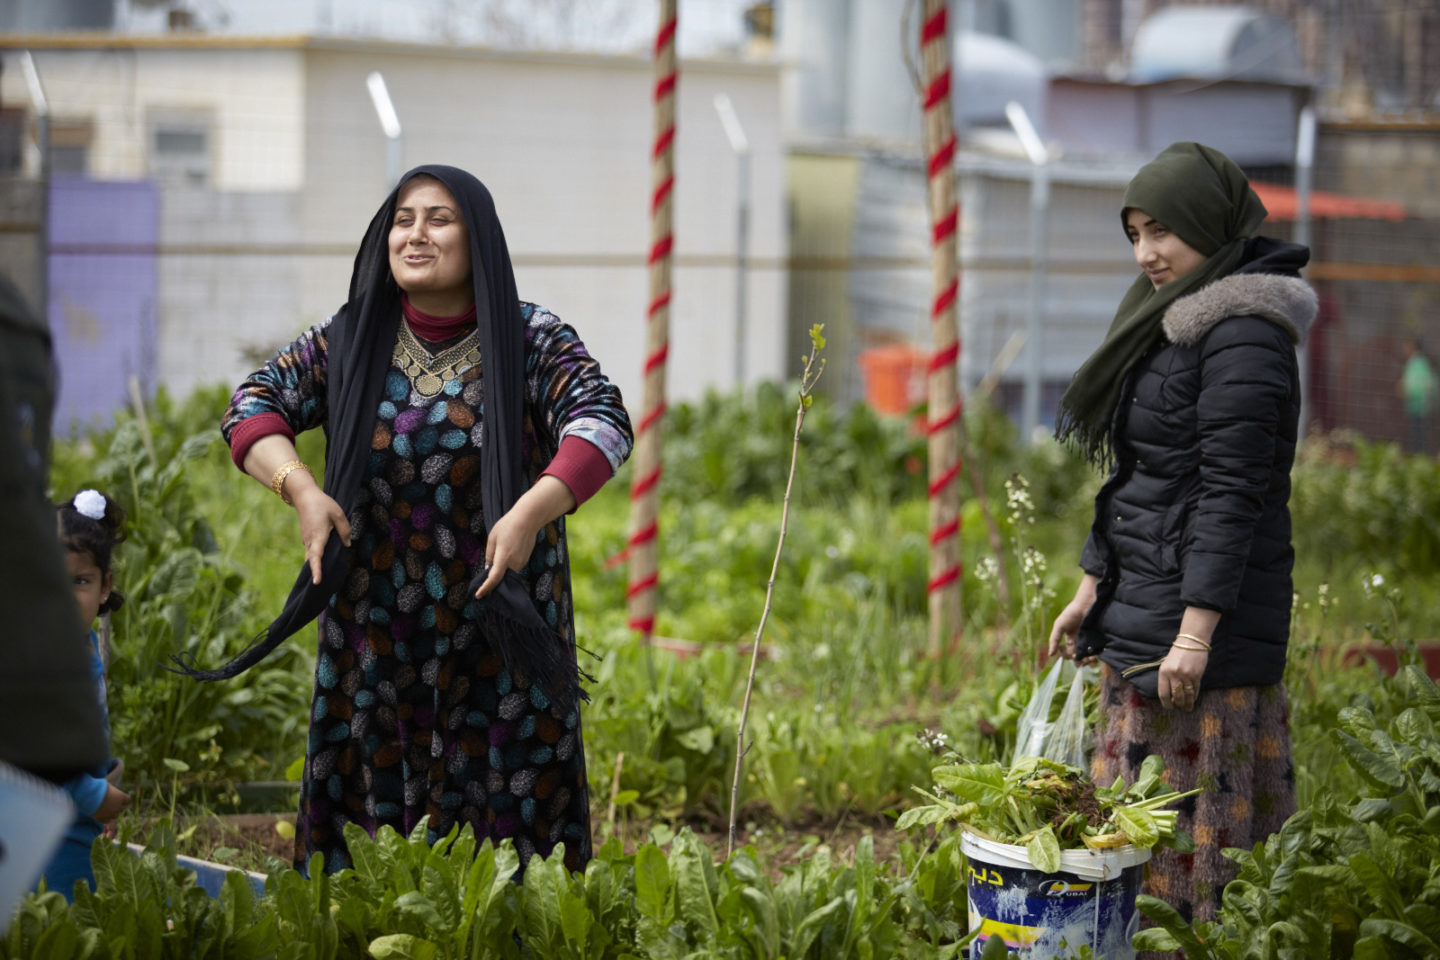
(818,764)
(407,899)
(672,734)
(183,594)
(1361,508)
(1048,807)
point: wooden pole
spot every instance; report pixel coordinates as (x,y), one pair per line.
(944,398)
(645,490)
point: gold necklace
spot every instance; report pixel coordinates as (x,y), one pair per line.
(429,373)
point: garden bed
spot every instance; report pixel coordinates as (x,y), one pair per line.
(247,840)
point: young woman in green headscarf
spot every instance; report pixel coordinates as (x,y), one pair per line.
(1193,402)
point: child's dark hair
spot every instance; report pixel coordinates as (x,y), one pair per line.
(90,522)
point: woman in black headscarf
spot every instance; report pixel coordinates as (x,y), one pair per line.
(446,683)
(1194,401)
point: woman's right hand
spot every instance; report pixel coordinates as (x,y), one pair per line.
(1067,625)
(319,514)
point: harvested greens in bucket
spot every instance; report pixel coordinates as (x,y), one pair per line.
(1047,807)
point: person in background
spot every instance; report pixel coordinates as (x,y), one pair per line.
(91,524)
(1193,401)
(446,682)
(1418,388)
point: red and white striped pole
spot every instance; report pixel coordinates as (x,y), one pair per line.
(944,398)
(645,490)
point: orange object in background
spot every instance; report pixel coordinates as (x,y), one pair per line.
(894,377)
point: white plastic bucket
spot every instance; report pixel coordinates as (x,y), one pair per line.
(1089,902)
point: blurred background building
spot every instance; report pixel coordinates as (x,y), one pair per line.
(211,164)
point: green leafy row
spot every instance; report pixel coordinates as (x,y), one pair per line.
(406,899)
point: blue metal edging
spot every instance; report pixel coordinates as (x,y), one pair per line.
(209,876)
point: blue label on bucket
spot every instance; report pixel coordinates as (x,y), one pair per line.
(1042,915)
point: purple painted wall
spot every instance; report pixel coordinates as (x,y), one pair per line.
(104,301)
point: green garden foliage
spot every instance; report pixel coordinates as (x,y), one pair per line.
(185,592)
(1368,509)
(407,899)
(850,714)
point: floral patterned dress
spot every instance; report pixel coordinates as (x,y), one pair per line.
(415,713)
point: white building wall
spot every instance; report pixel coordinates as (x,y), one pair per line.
(563,142)
(253,95)
(298,168)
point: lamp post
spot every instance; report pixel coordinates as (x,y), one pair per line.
(740,145)
(389,124)
(1304,178)
(42,141)
(1039,228)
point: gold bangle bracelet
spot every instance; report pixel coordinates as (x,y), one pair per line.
(1191,636)
(277,482)
(1186,646)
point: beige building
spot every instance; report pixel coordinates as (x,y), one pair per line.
(270,161)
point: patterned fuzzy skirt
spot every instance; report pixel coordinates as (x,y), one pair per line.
(1236,745)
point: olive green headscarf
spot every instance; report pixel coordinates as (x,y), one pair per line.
(1204,198)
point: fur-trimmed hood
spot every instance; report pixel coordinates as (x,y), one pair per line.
(1287,301)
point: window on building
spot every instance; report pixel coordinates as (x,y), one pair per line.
(70,142)
(180,149)
(12,140)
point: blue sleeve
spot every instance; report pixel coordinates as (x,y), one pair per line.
(87,792)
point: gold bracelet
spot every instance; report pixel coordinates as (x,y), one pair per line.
(1190,636)
(1186,646)
(277,482)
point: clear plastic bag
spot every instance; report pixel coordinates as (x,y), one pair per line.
(1065,739)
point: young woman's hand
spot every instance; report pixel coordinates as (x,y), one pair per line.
(1067,625)
(115,801)
(1179,683)
(319,514)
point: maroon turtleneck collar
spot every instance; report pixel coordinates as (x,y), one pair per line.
(435,329)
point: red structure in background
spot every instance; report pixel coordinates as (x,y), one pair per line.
(944,395)
(645,490)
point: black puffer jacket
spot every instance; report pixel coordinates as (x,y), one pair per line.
(1196,511)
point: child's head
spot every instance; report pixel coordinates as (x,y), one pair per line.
(90,526)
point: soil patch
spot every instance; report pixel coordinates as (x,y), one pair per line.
(249,840)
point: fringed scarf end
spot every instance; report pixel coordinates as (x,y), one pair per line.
(540,655)
(1092,444)
(186,665)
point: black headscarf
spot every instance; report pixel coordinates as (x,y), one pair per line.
(361,345)
(1205,199)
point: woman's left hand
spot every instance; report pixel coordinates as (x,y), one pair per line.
(511,541)
(1179,683)
(512,537)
